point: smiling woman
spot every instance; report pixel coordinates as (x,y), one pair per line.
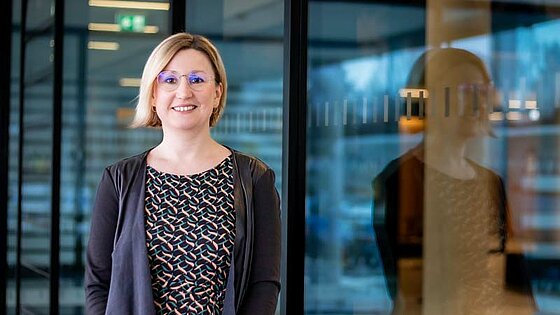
(197,100)
(189,226)
(177,51)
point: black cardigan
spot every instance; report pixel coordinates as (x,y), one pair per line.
(405,176)
(117,278)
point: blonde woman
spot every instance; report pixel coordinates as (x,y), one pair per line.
(189,226)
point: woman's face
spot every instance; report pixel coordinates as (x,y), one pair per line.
(185,92)
(469,97)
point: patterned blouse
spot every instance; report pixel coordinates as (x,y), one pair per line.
(190,232)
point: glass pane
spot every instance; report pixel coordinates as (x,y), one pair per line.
(104,59)
(13,161)
(249,35)
(37,158)
(432,178)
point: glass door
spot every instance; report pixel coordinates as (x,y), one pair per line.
(246,31)
(432,178)
(105,47)
(31,214)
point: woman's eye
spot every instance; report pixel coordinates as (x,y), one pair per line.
(170,80)
(196,80)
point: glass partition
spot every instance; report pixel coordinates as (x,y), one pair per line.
(105,48)
(32,262)
(13,164)
(431,168)
(249,35)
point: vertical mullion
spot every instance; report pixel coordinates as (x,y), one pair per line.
(81,146)
(294,154)
(56,157)
(177,16)
(5,77)
(21,129)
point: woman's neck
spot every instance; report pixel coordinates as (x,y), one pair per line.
(186,153)
(185,146)
(446,156)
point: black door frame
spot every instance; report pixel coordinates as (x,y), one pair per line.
(294,155)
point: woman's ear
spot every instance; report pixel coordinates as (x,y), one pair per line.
(219,92)
(154,92)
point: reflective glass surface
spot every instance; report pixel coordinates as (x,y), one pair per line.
(105,48)
(249,35)
(13,165)
(432,179)
(36,158)
(96,109)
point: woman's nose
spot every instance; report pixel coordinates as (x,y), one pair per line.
(184,90)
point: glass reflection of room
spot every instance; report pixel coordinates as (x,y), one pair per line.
(444,224)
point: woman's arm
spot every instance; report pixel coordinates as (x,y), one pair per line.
(100,247)
(264,281)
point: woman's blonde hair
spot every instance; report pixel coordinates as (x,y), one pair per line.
(159,58)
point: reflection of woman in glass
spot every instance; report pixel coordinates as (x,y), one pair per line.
(441,218)
(189,226)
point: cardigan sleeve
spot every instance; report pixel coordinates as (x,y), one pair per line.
(264,281)
(100,246)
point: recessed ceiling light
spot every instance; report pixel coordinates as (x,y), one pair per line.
(109,27)
(103,45)
(130,82)
(161,6)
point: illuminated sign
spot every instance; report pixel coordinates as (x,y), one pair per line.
(131,23)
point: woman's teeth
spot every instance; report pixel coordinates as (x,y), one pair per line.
(184,108)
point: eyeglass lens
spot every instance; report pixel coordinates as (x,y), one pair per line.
(170,80)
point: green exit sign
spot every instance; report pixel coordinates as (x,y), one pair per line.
(131,23)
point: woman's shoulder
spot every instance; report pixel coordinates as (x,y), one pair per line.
(128,163)
(245,159)
(407,162)
(486,172)
(249,164)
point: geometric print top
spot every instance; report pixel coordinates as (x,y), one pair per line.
(190,233)
(466,232)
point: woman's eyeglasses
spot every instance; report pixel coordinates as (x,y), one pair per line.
(170,80)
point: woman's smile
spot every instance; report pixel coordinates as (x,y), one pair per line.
(184,108)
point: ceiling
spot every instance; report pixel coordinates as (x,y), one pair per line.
(250,33)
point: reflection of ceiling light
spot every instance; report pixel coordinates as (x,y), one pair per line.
(496,116)
(108,27)
(534,114)
(514,103)
(103,45)
(513,116)
(151,29)
(130,82)
(104,27)
(531,104)
(413,93)
(130,5)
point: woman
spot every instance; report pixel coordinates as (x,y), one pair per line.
(444,217)
(189,226)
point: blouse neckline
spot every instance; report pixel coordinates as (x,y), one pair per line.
(217,166)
